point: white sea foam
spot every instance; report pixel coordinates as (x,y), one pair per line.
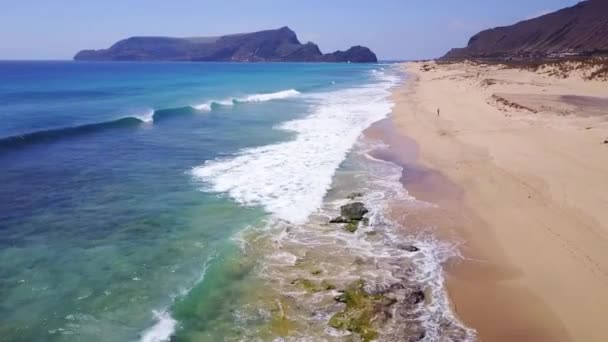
(229,102)
(208,106)
(203,107)
(162,330)
(290,179)
(165,325)
(270,96)
(147,116)
(284,258)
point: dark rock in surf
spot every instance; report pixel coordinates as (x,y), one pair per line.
(354,195)
(353,211)
(415,296)
(409,248)
(352,215)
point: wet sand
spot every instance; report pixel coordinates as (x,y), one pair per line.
(522,183)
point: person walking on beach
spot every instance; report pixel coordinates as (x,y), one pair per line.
(437,111)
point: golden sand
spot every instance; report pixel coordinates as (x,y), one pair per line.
(527,153)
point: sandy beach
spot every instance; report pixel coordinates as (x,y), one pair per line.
(516,161)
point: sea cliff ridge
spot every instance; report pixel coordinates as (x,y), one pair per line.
(577,31)
(280,45)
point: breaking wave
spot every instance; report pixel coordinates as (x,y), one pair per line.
(162,330)
(289,179)
(149,116)
(263,97)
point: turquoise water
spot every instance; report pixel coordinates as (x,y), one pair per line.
(124,186)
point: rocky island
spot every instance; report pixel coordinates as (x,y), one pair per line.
(280,45)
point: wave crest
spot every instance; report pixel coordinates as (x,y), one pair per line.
(270,96)
(262,97)
(147,116)
(50,135)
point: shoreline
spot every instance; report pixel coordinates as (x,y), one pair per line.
(308,270)
(489,168)
(523,191)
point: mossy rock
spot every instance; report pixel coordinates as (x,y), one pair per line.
(352,226)
(361,307)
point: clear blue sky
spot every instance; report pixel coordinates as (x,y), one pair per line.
(394,29)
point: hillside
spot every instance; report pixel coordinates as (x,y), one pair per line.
(580,30)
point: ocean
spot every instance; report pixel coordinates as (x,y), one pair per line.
(190,202)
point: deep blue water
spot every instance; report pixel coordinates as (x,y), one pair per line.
(101,220)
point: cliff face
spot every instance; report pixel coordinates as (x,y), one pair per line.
(578,30)
(281,45)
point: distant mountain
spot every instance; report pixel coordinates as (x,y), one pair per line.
(281,45)
(578,30)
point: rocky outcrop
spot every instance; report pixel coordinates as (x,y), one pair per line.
(360,309)
(580,30)
(351,214)
(280,45)
(356,54)
(365,311)
(353,211)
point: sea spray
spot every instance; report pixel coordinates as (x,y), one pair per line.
(162,330)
